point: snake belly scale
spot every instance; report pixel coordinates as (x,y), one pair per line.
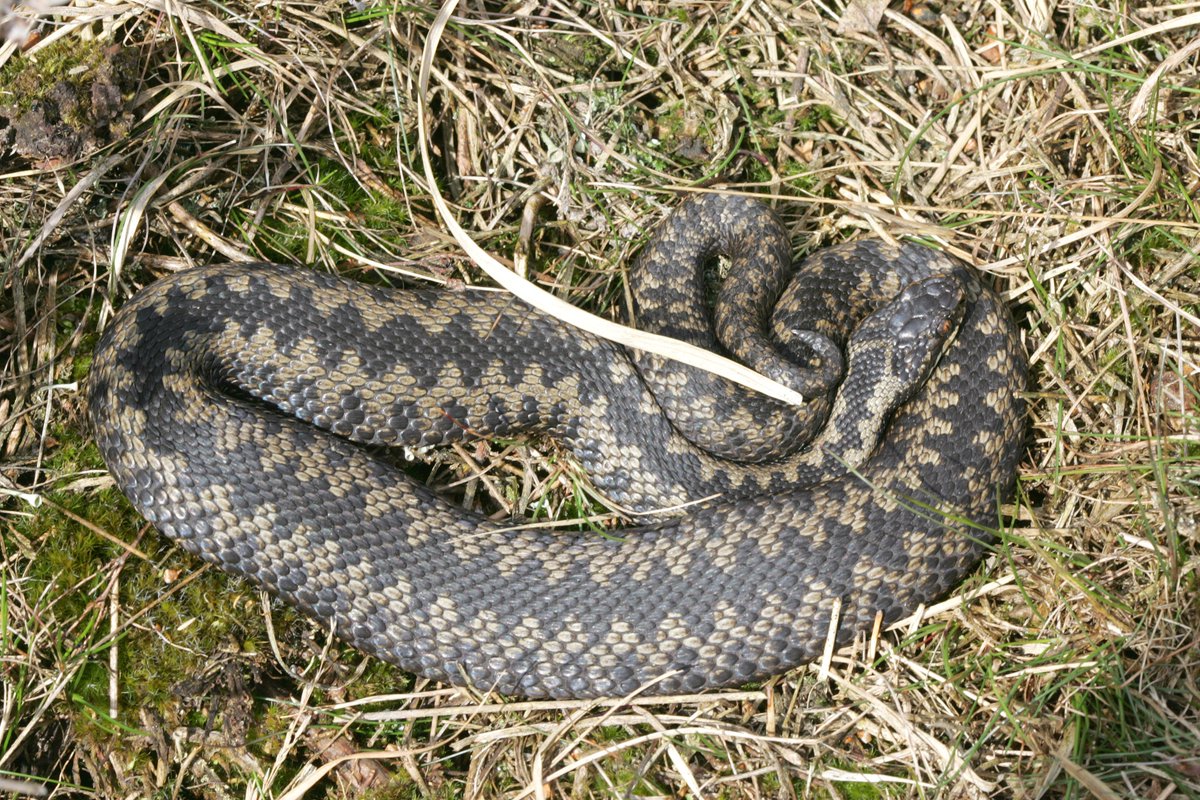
(231,404)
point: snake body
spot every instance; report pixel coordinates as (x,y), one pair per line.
(232,404)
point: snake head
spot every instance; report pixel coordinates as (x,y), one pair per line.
(907,336)
(925,319)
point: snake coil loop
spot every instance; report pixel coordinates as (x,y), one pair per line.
(231,403)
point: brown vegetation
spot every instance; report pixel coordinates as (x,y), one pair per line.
(1056,145)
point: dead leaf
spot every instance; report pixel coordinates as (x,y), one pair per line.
(994,51)
(862,16)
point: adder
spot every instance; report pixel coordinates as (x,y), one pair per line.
(242,409)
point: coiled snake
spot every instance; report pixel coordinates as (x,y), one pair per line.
(231,404)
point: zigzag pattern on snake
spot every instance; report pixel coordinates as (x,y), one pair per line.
(232,404)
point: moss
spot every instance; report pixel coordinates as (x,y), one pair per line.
(864,791)
(377,678)
(403,787)
(65,100)
(27,79)
(169,633)
(581,56)
(286,237)
(812,116)
(685,130)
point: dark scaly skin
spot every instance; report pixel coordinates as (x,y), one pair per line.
(668,286)
(730,591)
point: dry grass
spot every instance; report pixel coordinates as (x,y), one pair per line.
(1056,145)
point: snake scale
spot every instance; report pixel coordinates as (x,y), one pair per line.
(240,408)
